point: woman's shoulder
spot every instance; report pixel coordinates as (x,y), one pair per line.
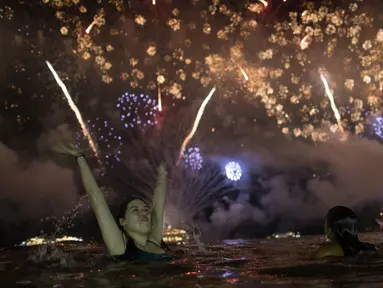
(130,253)
(329,249)
(156,248)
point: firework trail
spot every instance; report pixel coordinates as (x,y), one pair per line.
(196,123)
(305,42)
(159,100)
(90,27)
(243,72)
(74,109)
(264,2)
(332,102)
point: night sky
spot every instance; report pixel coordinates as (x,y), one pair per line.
(280,124)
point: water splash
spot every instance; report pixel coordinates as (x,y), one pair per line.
(53,255)
(196,236)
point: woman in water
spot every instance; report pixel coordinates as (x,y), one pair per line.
(341,229)
(139,233)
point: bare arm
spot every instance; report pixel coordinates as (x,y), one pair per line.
(155,234)
(110,232)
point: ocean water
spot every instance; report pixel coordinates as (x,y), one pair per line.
(247,263)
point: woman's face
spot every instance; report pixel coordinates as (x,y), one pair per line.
(137,217)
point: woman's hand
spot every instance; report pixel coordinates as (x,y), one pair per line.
(67,149)
(161,170)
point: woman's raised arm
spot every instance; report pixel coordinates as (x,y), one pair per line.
(159,196)
(110,231)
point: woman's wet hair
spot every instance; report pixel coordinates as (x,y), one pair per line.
(338,213)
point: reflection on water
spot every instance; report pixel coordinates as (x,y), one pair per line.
(249,263)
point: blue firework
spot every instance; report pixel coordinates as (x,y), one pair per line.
(378,127)
(193,158)
(108,141)
(137,110)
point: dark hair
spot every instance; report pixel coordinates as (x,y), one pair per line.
(122,215)
(339,213)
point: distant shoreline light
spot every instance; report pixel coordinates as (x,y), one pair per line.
(41,241)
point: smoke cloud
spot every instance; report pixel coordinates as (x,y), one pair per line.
(353,169)
(37,187)
(31,189)
(355,166)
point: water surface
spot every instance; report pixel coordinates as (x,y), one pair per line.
(247,263)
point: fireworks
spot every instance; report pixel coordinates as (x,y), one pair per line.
(192,158)
(108,141)
(345,37)
(378,127)
(233,171)
(269,68)
(137,110)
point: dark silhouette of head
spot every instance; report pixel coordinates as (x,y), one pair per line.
(341,226)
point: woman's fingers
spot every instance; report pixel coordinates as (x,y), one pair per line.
(73,147)
(66,148)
